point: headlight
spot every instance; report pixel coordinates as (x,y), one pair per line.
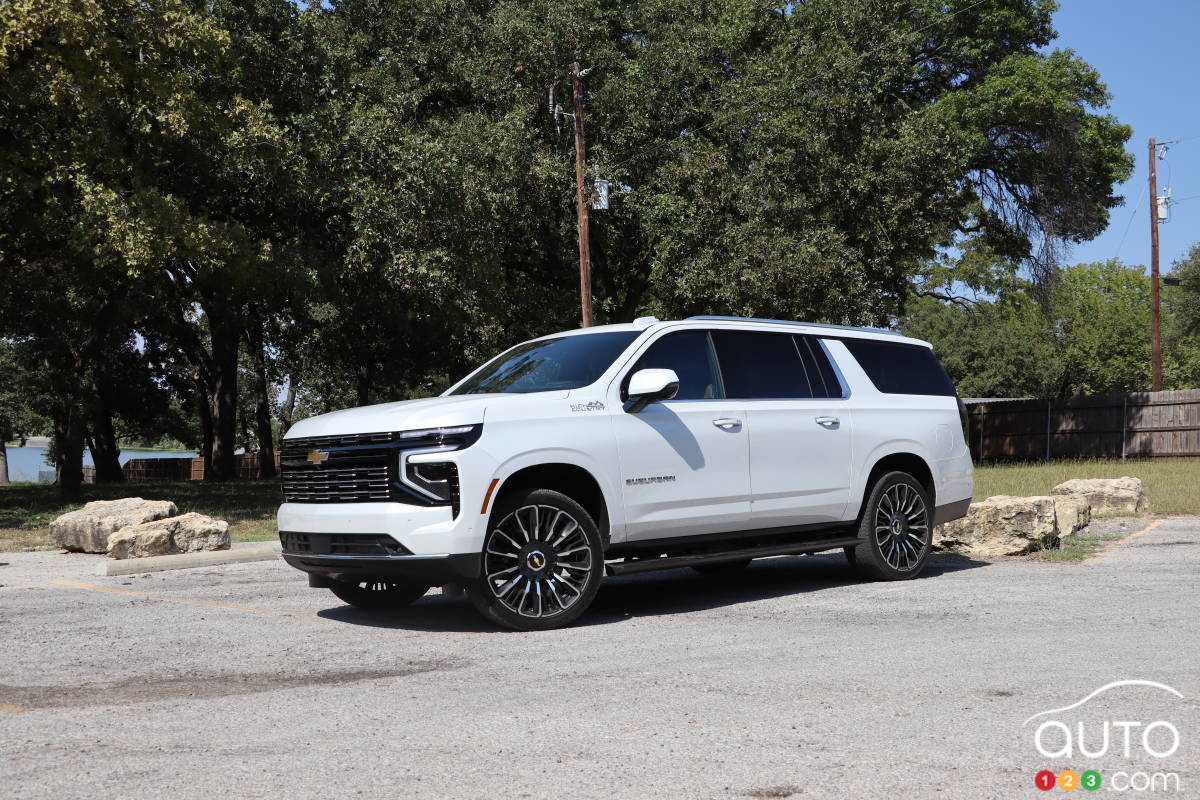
(432,479)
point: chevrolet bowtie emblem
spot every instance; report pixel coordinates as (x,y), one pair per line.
(317,456)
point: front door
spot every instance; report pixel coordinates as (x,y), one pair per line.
(685,462)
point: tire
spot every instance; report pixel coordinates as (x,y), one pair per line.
(379,595)
(896,529)
(542,562)
(724,569)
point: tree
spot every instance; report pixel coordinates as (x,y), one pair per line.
(804,161)
(1181,324)
(1089,335)
(20,400)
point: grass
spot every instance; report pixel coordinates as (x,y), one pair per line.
(27,509)
(1172,485)
(1079,547)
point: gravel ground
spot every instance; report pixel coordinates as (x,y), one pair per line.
(794,679)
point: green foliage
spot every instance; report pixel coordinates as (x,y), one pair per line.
(1088,334)
(1181,328)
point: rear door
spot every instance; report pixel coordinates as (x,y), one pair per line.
(798,422)
(684,462)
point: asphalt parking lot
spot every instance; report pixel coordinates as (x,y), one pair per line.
(794,679)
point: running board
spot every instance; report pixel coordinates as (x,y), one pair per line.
(672,562)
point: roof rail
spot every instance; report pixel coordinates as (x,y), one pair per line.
(795,322)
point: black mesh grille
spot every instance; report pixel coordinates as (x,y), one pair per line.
(341,544)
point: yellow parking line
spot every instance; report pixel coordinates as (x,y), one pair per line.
(181,599)
(11,708)
(1120,542)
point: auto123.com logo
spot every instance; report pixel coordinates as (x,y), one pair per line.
(1119,738)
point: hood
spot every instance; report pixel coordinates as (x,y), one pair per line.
(405,415)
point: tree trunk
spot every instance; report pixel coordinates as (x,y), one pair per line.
(262,398)
(288,412)
(3,458)
(68,451)
(106,453)
(204,414)
(366,373)
(223,395)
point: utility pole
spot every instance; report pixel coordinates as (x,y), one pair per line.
(581,204)
(1155,351)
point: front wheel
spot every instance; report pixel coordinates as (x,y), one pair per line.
(379,595)
(542,562)
(896,529)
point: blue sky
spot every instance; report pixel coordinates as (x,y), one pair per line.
(1148,55)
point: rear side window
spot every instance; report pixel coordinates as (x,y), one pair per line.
(761,365)
(897,368)
(690,356)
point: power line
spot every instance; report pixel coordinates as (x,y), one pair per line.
(1129,224)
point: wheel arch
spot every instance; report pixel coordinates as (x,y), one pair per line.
(901,461)
(574,481)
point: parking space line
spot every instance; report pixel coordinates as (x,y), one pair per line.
(181,599)
(1122,541)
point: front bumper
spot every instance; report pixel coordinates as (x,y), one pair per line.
(431,569)
(338,542)
(423,530)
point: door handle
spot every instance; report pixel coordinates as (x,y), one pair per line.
(827,422)
(727,423)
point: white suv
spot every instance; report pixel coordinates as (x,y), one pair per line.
(705,443)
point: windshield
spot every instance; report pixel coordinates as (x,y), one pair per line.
(545,365)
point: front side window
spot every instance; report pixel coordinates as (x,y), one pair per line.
(689,354)
(546,365)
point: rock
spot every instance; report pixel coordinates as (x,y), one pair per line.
(1072,513)
(1108,495)
(1001,526)
(189,533)
(87,529)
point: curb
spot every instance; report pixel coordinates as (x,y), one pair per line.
(212,558)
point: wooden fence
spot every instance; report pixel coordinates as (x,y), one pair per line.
(185,469)
(1136,425)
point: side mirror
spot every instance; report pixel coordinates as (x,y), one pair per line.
(651,386)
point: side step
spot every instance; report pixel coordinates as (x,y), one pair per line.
(672,562)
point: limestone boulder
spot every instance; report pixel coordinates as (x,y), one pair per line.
(1001,526)
(1107,495)
(87,529)
(188,533)
(1072,513)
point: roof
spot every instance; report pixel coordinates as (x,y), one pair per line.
(797,322)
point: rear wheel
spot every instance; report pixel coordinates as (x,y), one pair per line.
(896,529)
(542,562)
(379,595)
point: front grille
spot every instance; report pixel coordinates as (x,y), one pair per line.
(301,447)
(342,544)
(348,485)
(358,468)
